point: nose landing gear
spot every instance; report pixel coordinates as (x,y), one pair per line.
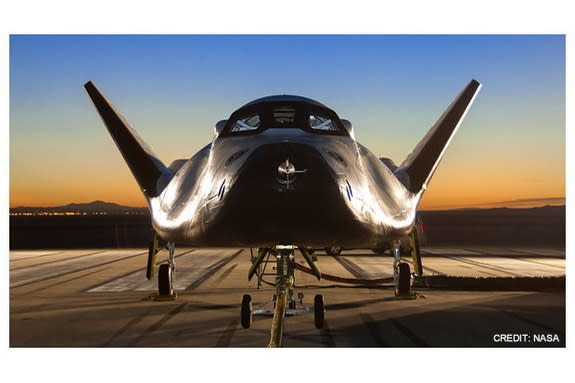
(283,300)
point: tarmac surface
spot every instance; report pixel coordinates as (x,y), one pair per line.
(101,298)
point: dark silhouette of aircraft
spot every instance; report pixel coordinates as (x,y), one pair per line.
(285,173)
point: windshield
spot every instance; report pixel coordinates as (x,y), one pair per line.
(246,124)
(317,122)
(259,117)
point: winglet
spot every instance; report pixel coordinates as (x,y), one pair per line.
(420,165)
(150,173)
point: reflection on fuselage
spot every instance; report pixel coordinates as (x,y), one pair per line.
(231,193)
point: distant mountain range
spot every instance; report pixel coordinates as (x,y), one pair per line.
(525,203)
(90,208)
(507,211)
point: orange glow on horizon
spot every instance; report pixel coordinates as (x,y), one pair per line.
(438,197)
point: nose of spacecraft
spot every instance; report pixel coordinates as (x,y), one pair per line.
(284,167)
(286,193)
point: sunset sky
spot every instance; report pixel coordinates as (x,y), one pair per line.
(173,89)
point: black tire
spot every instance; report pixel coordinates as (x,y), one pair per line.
(333,251)
(404,285)
(165,280)
(318,311)
(246,311)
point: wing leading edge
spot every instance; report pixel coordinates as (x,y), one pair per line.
(150,173)
(420,165)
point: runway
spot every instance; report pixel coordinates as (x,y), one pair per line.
(101,298)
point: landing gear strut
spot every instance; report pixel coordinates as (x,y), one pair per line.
(283,299)
(415,252)
(284,292)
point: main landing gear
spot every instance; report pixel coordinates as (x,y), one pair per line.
(401,274)
(283,300)
(166,271)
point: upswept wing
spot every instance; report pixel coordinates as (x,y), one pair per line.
(150,173)
(420,165)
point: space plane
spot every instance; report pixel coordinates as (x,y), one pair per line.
(284,174)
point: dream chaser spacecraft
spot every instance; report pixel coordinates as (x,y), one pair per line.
(284,173)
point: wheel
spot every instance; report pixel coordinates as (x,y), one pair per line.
(318,311)
(333,251)
(246,311)
(165,280)
(404,285)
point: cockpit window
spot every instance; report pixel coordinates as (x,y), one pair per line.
(257,118)
(283,116)
(317,122)
(246,124)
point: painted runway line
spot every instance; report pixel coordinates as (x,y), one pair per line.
(41,272)
(23,254)
(57,260)
(190,269)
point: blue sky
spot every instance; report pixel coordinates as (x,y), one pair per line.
(174,88)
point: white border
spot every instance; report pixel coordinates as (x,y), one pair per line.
(296,16)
